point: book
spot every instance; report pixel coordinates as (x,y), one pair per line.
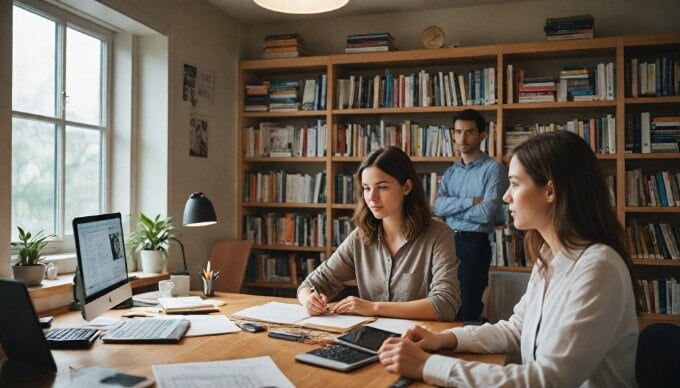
(294,314)
(186,304)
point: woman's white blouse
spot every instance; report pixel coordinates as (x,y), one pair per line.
(582,331)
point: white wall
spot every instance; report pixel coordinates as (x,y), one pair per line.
(478,25)
(199,35)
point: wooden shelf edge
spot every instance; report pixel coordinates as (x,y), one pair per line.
(660,317)
(560,105)
(653,100)
(64,284)
(412,110)
(297,205)
(289,248)
(657,262)
(509,269)
(652,209)
(664,155)
(267,159)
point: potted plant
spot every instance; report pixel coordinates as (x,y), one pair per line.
(27,268)
(151,239)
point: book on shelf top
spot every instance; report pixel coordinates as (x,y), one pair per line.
(283,36)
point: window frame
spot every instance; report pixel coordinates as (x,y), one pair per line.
(65,20)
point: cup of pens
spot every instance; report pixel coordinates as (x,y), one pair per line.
(209,278)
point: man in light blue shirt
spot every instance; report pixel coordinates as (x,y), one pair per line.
(469,198)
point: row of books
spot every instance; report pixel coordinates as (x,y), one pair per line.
(660,296)
(363,43)
(273,96)
(646,134)
(654,77)
(569,27)
(314,94)
(299,229)
(280,267)
(507,249)
(653,240)
(420,89)
(342,227)
(284,187)
(345,188)
(575,83)
(282,46)
(599,132)
(653,189)
(275,139)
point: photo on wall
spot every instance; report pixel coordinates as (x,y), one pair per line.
(198,136)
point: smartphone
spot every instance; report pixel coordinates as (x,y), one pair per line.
(46,322)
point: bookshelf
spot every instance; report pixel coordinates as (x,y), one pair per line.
(536,58)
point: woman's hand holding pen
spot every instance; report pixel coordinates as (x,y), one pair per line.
(316,303)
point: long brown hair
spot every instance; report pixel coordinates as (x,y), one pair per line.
(416,214)
(582,211)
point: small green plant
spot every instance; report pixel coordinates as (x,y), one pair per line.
(151,234)
(31,246)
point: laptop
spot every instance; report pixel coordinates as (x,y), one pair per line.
(23,343)
(352,350)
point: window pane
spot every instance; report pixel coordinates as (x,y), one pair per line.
(83,174)
(34,167)
(34,63)
(83,77)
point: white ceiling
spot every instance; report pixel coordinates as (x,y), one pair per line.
(247,12)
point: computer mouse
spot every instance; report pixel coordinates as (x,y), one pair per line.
(252,327)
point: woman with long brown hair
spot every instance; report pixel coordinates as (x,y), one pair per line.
(404,262)
(576,325)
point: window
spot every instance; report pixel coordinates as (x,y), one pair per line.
(60,128)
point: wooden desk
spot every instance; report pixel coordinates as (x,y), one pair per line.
(138,359)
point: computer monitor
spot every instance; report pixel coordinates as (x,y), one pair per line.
(102,278)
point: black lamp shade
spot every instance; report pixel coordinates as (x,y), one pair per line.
(199,211)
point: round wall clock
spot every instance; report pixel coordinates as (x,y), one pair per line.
(433,37)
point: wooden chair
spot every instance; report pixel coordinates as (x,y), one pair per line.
(230,257)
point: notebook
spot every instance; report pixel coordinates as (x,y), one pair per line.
(187,304)
(353,350)
(294,314)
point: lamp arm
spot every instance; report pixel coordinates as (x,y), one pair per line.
(184,258)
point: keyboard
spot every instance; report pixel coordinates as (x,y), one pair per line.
(71,337)
(148,330)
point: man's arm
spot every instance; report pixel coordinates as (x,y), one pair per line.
(487,208)
(446,205)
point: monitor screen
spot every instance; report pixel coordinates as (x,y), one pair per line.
(102,269)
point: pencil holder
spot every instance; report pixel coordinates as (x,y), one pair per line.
(209,287)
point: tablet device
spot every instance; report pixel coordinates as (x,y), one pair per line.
(353,350)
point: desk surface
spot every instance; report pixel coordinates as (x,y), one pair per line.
(138,359)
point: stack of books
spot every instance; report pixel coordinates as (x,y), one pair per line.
(257,97)
(363,43)
(284,96)
(575,85)
(536,89)
(282,46)
(570,27)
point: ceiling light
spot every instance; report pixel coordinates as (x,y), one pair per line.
(301,6)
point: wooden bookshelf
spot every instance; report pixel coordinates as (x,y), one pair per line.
(535,56)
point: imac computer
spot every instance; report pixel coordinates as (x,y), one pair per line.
(102,278)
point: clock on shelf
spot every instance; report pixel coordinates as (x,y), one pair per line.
(433,37)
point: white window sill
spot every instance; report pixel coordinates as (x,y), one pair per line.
(65,262)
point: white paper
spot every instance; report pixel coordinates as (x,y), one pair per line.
(103,321)
(249,372)
(398,326)
(275,312)
(338,321)
(206,324)
(182,302)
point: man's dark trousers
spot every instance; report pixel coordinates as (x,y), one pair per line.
(474,251)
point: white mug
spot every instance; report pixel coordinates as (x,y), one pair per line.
(51,271)
(165,287)
(181,285)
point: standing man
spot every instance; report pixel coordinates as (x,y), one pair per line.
(470,194)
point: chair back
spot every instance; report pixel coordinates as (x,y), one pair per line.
(230,257)
(658,359)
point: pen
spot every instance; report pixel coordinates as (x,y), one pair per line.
(318,294)
(287,336)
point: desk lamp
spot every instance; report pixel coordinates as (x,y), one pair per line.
(198,211)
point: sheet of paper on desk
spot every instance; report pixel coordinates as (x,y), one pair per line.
(206,324)
(248,372)
(393,325)
(274,312)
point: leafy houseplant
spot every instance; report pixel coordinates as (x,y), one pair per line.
(28,268)
(151,239)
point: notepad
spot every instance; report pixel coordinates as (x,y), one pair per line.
(293,314)
(186,304)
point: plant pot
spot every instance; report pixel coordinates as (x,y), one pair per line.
(152,261)
(32,275)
